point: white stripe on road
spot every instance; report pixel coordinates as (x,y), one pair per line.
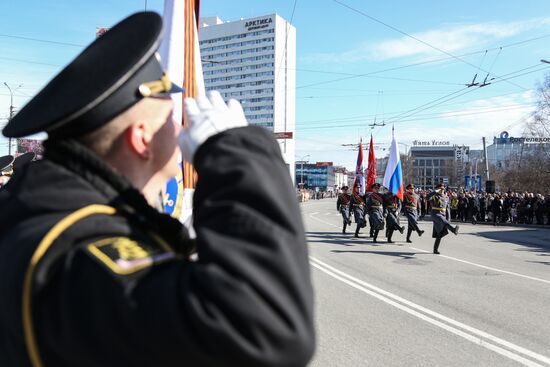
(488,267)
(459,260)
(474,335)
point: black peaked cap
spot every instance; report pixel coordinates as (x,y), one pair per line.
(112,74)
(5,162)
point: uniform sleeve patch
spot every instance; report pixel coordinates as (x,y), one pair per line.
(125,256)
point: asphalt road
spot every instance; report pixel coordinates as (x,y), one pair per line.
(485,301)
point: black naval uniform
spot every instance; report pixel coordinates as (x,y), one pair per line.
(343,206)
(392,205)
(358,207)
(440,216)
(375,208)
(116,287)
(411,208)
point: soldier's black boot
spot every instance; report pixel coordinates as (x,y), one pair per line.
(371,232)
(357,231)
(455,230)
(436,245)
(401,229)
(389,234)
(409,232)
(344,229)
(420,232)
(375,236)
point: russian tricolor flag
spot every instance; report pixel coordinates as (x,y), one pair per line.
(393,177)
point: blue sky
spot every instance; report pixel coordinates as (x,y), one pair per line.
(450,43)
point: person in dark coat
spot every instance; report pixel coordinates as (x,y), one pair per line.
(440,216)
(410,208)
(92,274)
(473,208)
(392,205)
(496,209)
(358,207)
(375,208)
(343,206)
(423,205)
(482,208)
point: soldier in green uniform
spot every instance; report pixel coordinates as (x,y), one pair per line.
(440,216)
(343,206)
(392,206)
(358,207)
(91,274)
(375,208)
(411,208)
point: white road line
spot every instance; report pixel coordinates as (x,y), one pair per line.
(460,260)
(474,335)
(489,268)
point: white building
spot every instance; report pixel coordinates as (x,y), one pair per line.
(254,61)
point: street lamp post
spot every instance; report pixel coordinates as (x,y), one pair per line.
(11,110)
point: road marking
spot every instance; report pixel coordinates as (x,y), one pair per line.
(476,336)
(488,267)
(459,260)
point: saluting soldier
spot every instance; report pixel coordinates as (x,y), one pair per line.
(358,206)
(411,208)
(440,215)
(343,206)
(392,206)
(375,208)
(91,274)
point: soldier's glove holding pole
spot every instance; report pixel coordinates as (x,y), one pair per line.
(208,116)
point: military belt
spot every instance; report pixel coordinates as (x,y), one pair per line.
(376,207)
(410,207)
(440,209)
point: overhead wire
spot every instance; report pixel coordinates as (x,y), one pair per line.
(513,44)
(419,40)
(447,114)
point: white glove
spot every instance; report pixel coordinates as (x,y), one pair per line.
(208,116)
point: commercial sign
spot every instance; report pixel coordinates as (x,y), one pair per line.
(431,143)
(252,25)
(323,164)
(283,135)
(505,138)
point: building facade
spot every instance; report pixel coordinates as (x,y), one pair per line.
(507,150)
(432,165)
(319,176)
(254,61)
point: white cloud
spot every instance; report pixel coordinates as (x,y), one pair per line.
(451,38)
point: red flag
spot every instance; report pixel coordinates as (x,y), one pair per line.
(371,170)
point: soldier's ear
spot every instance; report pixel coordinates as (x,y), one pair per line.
(138,138)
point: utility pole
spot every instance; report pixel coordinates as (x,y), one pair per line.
(12,110)
(486,161)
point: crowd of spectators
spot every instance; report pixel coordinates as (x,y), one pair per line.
(497,208)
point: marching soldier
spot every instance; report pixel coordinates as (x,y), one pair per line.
(343,206)
(358,207)
(375,208)
(91,274)
(440,216)
(393,208)
(411,208)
